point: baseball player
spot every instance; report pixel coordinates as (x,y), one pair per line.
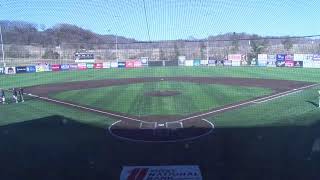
(21,94)
(15,95)
(2,96)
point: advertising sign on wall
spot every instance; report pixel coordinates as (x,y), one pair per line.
(114,64)
(106,65)
(211,62)
(196,62)
(121,64)
(43,68)
(280,57)
(1,70)
(144,61)
(10,70)
(280,63)
(65,67)
(234,57)
(227,63)
(236,63)
(55,67)
(316,57)
(21,69)
(188,63)
(289,63)
(288,57)
(98,65)
(90,65)
(181,59)
(298,64)
(137,64)
(73,66)
(82,66)
(130,64)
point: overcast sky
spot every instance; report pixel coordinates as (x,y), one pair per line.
(172,19)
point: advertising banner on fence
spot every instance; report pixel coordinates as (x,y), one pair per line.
(234,57)
(90,65)
(55,67)
(155,63)
(182,60)
(188,63)
(160,172)
(171,63)
(280,57)
(137,64)
(262,62)
(196,62)
(262,57)
(280,63)
(106,65)
(31,69)
(308,64)
(316,64)
(43,68)
(21,69)
(1,70)
(235,63)
(73,66)
(130,64)
(114,64)
(121,64)
(298,64)
(98,65)
(212,63)
(144,61)
(10,70)
(288,57)
(289,63)
(299,57)
(227,63)
(65,67)
(316,57)
(204,62)
(82,66)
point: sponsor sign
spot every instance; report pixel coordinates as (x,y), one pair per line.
(236,63)
(106,65)
(262,57)
(262,62)
(114,64)
(308,64)
(90,65)
(55,67)
(316,57)
(316,64)
(280,63)
(121,64)
(181,59)
(234,57)
(288,57)
(73,66)
(130,64)
(298,64)
(188,63)
(299,57)
(21,69)
(211,62)
(204,62)
(160,172)
(31,69)
(137,64)
(289,63)
(196,62)
(98,65)
(227,63)
(65,67)
(43,68)
(1,70)
(82,66)
(10,70)
(144,61)
(84,61)
(280,57)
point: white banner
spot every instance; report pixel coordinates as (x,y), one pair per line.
(160,172)
(236,63)
(262,57)
(114,64)
(106,65)
(204,62)
(10,70)
(234,57)
(188,63)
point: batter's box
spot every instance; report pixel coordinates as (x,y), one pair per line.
(148,125)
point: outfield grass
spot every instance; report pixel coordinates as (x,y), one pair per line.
(299,74)
(289,110)
(131,98)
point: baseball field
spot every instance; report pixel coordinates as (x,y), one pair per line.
(208,115)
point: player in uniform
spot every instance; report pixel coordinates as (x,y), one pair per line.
(21,94)
(15,95)
(2,96)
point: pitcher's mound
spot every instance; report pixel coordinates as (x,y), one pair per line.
(162,93)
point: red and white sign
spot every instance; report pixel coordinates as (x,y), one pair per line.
(160,172)
(289,63)
(137,64)
(234,57)
(82,66)
(130,64)
(55,67)
(98,65)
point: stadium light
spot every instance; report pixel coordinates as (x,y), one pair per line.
(4,64)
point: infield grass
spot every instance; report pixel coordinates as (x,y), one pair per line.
(131,98)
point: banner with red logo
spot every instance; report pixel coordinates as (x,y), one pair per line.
(289,63)
(160,172)
(82,66)
(98,65)
(130,64)
(55,67)
(137,64)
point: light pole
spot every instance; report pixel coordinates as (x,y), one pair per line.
(4,64)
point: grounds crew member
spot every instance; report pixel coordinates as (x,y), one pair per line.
(21,95)
(15,95)
(2,96)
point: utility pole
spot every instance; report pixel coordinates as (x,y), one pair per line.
(2,48)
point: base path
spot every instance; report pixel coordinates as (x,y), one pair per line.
(167,128)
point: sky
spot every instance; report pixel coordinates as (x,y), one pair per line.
(172,19)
